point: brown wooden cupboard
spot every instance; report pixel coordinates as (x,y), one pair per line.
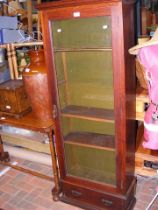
(92,83)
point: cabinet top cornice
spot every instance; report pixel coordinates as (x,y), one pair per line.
(66,3)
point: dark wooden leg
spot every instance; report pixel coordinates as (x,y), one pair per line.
(55,194)
(56,189)
(4,156)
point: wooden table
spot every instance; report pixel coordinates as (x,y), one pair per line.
(30,122)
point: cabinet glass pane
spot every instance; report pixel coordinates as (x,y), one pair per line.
(85,78)
(90,163)
(72,125)
(84,71)
(82,33)
(88,145)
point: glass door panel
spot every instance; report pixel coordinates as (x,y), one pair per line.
(82,33)
(72,125)
(85,78)
(83,62)
(91,163)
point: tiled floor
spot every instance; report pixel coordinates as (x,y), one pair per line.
(21,191)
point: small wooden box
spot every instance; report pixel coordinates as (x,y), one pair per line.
(13,99)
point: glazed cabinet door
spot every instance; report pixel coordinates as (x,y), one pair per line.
(84,70)
(86,64)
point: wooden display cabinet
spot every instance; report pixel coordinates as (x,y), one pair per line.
(92,84)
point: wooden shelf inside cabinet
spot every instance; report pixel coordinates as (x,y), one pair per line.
(91,140)
(95,114)
(81,49)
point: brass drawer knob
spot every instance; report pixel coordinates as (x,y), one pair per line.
(8,107)
(76,193)
(106,202)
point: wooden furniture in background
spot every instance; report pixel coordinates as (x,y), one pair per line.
(39,23)
(4,156)
(13,99)
(140,73)
(29,6)
(146,21)
(29,15)
(30,122)
(93,94)
(142,101)
(143,154)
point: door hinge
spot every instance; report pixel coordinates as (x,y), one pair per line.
(54,111)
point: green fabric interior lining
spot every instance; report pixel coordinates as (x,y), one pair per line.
(82,32)
(81,125)
(88,79)
(89,163)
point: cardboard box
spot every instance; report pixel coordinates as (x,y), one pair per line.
(4,73)
(11,36)
(8,22)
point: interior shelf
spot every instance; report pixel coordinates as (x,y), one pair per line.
(82,49)
(95,114)
(91,140)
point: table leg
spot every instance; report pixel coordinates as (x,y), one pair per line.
(56,189)
(4,156)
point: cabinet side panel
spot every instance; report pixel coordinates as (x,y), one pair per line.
(124,80)
(119,91)
(130,85)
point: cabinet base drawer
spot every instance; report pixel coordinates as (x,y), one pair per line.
(93,200)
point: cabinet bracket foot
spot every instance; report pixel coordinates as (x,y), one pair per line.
(56,194)
(4,157)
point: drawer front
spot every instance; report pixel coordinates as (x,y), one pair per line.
(99,200)
(14,101)
(106,201)
(2,102)
(75,192)
(23,100)
(10,102)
